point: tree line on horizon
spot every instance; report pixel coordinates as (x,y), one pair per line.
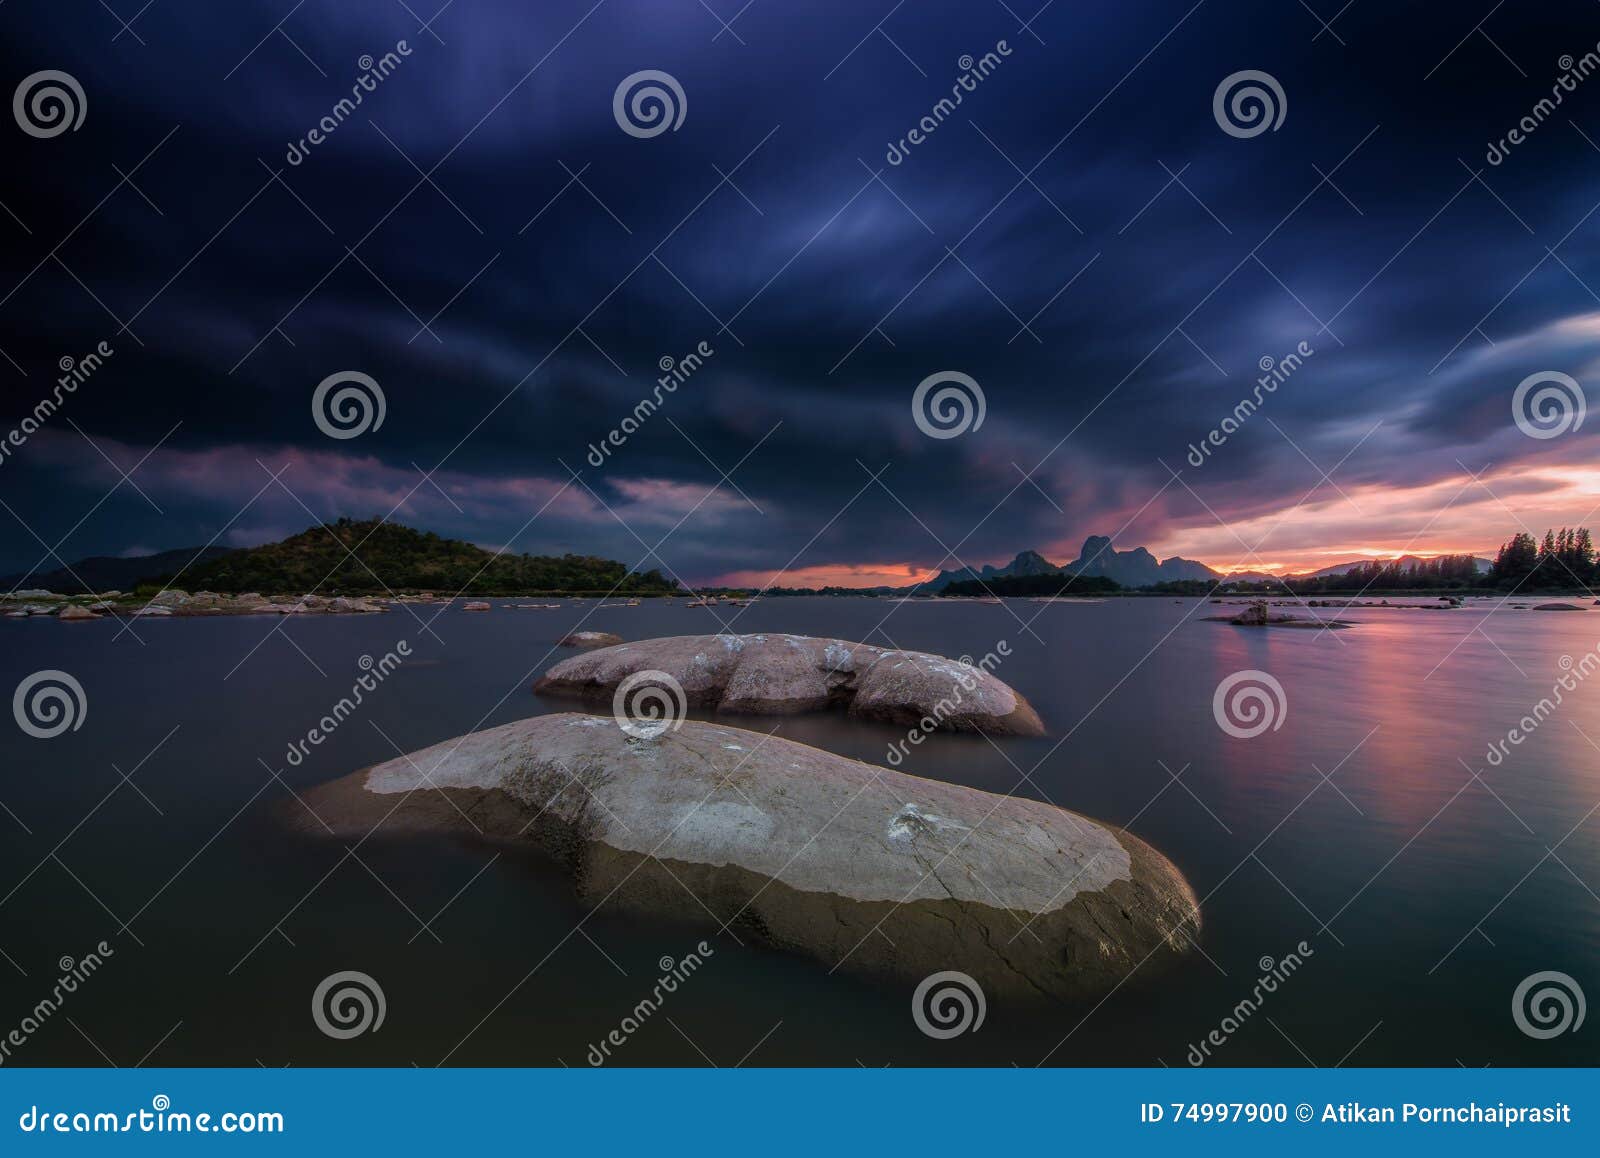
(1564,558)
(1441,572)
(399,557)
(395,557)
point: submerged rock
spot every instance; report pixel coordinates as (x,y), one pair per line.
(1257,615)
(591,639)
(790,674)
(794,847)
(1556,607)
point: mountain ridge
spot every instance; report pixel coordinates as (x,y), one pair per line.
(323,559)
(396,557)
(1135,567)
(99,573)
(1138,567)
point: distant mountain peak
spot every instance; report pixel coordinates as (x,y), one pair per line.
(99,573)
(1135,567)
(1030,562)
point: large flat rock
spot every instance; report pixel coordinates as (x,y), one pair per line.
(772,674)
(788,845)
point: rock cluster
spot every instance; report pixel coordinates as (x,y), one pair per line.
(173,601)
(774,674)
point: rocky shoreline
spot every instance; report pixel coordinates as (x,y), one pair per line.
(174,602)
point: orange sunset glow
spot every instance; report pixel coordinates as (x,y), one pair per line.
(1457,515)
(831,575)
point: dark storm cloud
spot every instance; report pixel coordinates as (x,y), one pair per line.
(515,306)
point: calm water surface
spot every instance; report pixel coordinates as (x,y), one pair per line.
(1425,894)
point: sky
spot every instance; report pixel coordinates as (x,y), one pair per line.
(510,258)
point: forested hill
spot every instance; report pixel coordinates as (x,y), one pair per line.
(387,555)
